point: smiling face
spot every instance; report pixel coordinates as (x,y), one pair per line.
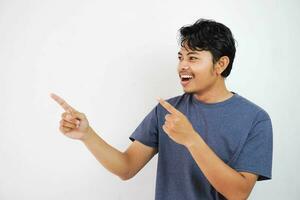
(198,65)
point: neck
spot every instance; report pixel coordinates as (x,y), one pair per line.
(217,93)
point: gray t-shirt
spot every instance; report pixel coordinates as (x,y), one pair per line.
(237,130)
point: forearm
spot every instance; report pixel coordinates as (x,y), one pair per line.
(222,177)
(112,159)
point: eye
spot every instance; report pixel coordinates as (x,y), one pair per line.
(193,58)
(179,58)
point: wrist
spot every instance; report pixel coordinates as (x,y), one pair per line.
(193,141)
(88,135)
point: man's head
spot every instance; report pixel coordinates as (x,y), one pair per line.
(207,53)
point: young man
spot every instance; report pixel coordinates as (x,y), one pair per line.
(211,143)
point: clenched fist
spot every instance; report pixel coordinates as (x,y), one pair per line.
(73,124)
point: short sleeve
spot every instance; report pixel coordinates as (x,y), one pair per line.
(147,131)
(257,152)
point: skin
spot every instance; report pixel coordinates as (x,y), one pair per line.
(125,165)
(208,86)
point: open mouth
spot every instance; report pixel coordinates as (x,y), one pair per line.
(185,79)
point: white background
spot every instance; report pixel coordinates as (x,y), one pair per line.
(110,60)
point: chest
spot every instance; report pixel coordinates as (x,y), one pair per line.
(223,131)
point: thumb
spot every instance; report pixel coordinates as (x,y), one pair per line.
(78,115)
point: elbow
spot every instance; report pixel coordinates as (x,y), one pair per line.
(242,192)
(125,177)
(240,195)
(129,171)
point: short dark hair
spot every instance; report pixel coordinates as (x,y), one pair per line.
(211,36)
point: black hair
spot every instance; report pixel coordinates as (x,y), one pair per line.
(211,36)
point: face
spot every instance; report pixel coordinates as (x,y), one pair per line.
(196,70)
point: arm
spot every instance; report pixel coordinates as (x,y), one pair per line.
(75,125)
(227,181)
(111,158)
(138,156)
(123,164)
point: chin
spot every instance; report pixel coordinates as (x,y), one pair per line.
(189,91)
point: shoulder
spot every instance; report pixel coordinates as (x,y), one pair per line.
(249,106)
(176,99)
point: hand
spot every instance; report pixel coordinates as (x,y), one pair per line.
(177,126)
(73,124)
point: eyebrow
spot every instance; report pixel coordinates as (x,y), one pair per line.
(189,53)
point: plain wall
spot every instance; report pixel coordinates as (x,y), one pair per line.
(109,60)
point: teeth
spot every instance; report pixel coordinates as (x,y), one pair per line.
(186,76)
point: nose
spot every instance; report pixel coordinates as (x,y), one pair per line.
(183,65)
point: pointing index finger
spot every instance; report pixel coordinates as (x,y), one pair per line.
(62,102)
(167,106)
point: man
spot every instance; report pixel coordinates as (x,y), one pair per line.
(211,143)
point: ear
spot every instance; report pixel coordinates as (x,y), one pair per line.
(221,64)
